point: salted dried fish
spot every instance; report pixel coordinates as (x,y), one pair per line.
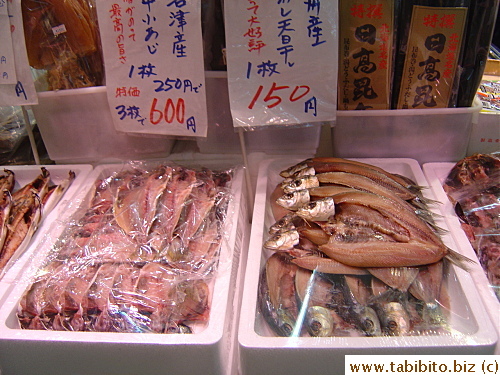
(135,204)
(304,182)
(24,219)
(327,265)
(277,294)
(294,200)
(7,181)
(394,319)
(318,210)
(56,192)
(283,240)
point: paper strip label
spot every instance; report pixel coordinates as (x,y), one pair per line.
(432,56)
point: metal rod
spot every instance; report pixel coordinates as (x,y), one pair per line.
(31,137)
(249,194)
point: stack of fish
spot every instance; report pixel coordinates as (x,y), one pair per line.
(22,210)
(139,258)
(355,252)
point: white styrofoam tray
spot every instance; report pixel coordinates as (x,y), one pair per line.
(24,174)
(65,352)
(436,173)
(262,352)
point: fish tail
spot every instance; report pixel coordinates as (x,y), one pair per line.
(459,260)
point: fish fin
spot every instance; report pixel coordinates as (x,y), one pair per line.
(459,260)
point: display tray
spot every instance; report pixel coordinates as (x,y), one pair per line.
(436,174)
(205,350)
(261,351)
(24,174)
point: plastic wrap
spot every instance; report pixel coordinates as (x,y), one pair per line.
(472,186)
(466,327)
(139,254)
(358,257)
(62,38)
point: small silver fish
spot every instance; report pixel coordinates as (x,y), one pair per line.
(368,320)
(294,200)
(283,240)
(294,169)
(319,321)
(285,223)
(319,210)
(394,319)
(304,182)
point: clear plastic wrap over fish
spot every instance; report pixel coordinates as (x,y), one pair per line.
(139,254)
(473,187)
(361,255)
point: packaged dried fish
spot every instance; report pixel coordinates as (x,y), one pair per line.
(140,254)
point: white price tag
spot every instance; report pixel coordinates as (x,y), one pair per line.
(7,63)
(19,89)
(153,56)
(282,61)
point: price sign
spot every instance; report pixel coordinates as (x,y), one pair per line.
(16,82)
(7,67)
(282,61)
(155,75)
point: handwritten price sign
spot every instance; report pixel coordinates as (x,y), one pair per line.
(154,66)
(282,61)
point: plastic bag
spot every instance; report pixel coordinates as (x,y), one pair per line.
(473,187)
(62,38)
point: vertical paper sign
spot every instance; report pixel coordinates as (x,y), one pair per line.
(16,81)
(7,66)
(153,56)
(432,55)
(282,61)
(366,40)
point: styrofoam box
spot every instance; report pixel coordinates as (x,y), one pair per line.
(77,127)
(262,352)
(205,351)
(223,138)
(24,174)
(485,134)
(436,173)
(427,135)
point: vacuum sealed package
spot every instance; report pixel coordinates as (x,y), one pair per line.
(472,186)
(140,254)
(62,38)
(430,42)
(366,54)
(480,25)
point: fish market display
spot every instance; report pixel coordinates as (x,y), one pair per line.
(473,187)
(354,251)
(139,256)
(22,210)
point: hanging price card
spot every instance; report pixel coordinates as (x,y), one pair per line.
(7,67)
(16,81)
(282,61)
(154,66)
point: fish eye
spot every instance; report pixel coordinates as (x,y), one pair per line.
(392,325)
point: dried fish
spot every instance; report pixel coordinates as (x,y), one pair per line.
(318,210)
(294,200)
